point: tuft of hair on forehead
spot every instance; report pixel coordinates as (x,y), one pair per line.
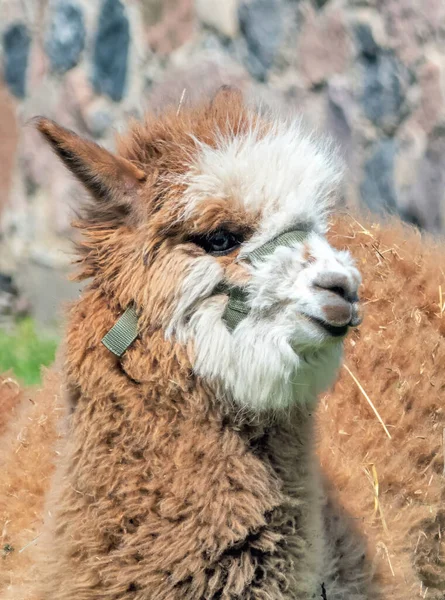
(271,167)
(167,141)
(226,150)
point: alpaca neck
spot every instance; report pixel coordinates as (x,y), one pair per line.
(153,454)
(155,377)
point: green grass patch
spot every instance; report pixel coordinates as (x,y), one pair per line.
(24,350)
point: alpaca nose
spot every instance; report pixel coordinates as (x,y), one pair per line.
(338,284)
(340,299)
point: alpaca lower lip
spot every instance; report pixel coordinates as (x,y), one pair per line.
(334,330)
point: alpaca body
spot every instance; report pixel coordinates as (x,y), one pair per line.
(163,494)
(188,469)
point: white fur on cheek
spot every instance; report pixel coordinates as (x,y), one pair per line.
(203,275)
(255,365)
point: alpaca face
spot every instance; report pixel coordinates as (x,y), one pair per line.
(178,213)
(302,298)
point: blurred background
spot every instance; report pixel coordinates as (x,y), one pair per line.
(371,73)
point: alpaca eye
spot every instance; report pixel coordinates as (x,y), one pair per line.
(218,242)
(222,241)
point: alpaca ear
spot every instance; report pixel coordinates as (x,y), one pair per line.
(111,179)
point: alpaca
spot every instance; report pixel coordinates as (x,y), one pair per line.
(397,354)
(188,469)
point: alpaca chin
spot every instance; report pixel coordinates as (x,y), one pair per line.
(256,367)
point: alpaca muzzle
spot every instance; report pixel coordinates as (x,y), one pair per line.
(237,308)
(340,300)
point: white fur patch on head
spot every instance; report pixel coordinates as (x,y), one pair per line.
(285,174)
(279,353)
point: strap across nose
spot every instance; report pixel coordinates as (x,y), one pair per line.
(237,308)
(284,239)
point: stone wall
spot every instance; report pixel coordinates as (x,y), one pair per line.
(368,72)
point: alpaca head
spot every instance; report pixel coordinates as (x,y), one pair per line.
(179,211)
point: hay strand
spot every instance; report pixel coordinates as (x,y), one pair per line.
(368,399)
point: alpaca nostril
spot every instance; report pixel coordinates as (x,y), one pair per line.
(337,284)
(340,291)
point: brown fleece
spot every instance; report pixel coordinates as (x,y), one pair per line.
(162,492)
(27,453)
(10,395)
(398,357)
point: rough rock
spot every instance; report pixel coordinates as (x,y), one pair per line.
(98,117)
(66,36)
(152,11)
(430,184)
(12,303)
(411,23)
(261,24)
(367,45)
(412,143)
(78,92)
(110,60)
(369,32)
(170,25)
(9,137)
(377,189)
(431,76)
(341,95)
(38,68)
(320,3)
(16,46)
(323,47)
(341,113)
(39,164)
(222,16)
(384,90)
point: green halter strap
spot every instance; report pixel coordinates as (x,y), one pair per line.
(125,330)
(237,308)
(294,236)
(123,333)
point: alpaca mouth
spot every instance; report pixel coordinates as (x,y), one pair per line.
(333,330)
